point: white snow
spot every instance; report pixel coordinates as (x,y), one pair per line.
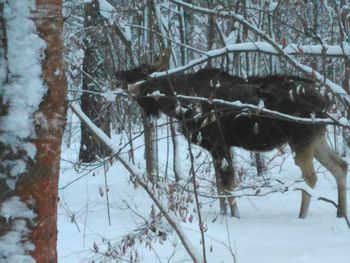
(14,245)
(22,89)
(106,9)
(346,48)
(25,89)
(343,121)
(109,12)
(261,105)
(224,164)
(245,106)
(270,47)
(272,6)
(156,93)
(15,208)
(11,247)
(298,89)
(18,168)
(199,138)
(110,95)
(291,95)
(268,229)
(231,39)
(265,47)
(30,149)
(101,135)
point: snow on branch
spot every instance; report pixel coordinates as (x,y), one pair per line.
(262,112)
(259,46)
(315,50)
(338,90)
(263,47)
(123,31)
(251,109)
(137,175)
(246,108)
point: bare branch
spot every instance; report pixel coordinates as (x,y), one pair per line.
(251,109)
(138,177)
(338,90)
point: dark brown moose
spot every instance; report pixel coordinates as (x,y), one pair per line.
(217,127)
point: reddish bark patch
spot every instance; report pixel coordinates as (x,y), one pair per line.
(44,233)
(41,182)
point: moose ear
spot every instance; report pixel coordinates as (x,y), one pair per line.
(145,70)
(162,62)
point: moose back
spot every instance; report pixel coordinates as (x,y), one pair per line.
(217,127)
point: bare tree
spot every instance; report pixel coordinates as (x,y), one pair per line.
(244,38)
(95,77)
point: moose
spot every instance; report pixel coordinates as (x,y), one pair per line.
(217,127)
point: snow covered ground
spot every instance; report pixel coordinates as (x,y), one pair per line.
(268,230)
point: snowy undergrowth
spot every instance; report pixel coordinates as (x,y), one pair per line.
(268,231)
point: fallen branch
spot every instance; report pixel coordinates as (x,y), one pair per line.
(137,175)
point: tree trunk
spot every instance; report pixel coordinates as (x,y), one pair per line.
(176,159)
(29,201)
(182,29)
(95,67)
(151,146)
(211,38)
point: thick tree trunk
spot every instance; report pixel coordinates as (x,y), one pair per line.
(42,184)
(95,67)
(36,188)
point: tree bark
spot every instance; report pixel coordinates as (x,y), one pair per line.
(151,146)
(176,154)
(95,67)
(37,186)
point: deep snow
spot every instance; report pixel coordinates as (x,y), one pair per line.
(268,230)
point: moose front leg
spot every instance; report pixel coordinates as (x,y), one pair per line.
(225,181)
(304,159)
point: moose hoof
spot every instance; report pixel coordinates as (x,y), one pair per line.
(341,214)
(234,211)
(302,216)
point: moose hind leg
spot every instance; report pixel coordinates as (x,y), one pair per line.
(304,159)
(338,168)
(225,183)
